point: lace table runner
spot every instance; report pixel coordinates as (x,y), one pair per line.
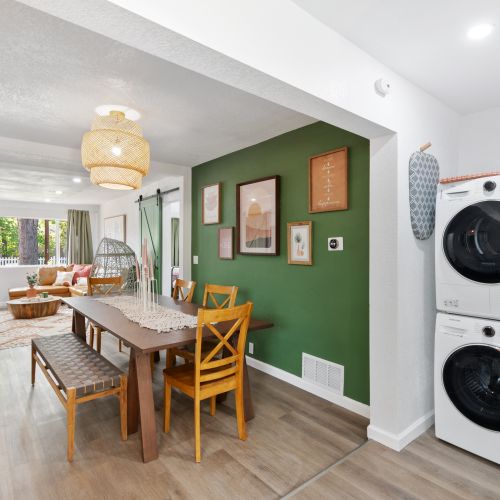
(162,319)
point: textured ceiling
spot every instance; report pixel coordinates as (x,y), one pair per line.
(53,74)
(425,42)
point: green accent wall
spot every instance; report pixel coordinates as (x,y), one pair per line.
(320,309)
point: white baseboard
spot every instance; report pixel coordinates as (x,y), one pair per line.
(344,401)
(399,441)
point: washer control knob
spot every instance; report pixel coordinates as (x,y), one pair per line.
(490,186)
(489,331)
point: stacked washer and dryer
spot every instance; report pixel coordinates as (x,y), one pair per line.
(467,343)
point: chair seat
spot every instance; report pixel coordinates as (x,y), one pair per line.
(182,377)
(74,364)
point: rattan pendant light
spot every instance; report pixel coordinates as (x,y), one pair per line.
(115,153)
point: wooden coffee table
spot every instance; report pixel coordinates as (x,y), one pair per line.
(24,309)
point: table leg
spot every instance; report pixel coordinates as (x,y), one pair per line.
(132,397)
(142,403)
(78,325)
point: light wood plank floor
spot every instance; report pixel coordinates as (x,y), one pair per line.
(299,446)
(294,436)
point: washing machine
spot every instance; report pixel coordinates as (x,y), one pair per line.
(468,247)
(467,384)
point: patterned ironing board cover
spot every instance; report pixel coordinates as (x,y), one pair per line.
(424,179)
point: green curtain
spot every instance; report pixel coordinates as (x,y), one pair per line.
(79,237)
(175,241)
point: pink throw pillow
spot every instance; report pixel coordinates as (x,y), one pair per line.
(81,271)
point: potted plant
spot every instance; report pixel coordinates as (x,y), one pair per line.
(31,279)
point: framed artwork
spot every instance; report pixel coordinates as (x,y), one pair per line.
(226,243)
(210,204)
(328,181)
(257,216)
(300,243)
(114,227)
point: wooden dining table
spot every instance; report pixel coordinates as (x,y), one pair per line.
(142,342)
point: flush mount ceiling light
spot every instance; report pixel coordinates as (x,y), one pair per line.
(114,151)
(479,31)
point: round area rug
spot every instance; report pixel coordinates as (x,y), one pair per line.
(19,332)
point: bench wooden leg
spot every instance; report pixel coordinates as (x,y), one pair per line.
(33,364)
(71,413)
(120,345)
(98,341)
(91,335)
(123,406)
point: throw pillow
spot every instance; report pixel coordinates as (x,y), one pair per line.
(82,281)
(64,278)
(47,274)
(81,271)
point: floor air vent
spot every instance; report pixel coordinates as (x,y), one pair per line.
(324,373)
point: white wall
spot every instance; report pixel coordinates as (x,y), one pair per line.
(15,276)
(300,63)
(479,145)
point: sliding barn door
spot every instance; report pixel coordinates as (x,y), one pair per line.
(151,230)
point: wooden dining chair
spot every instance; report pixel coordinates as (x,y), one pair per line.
(103,287)
(209,376)
(219,296)
(183,290)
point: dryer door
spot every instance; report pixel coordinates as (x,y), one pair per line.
(472,242)
(471,377)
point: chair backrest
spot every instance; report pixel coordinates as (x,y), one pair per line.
(104,286)
(183,290)
(224,324)
(212,291)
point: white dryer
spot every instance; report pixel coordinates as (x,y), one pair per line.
(467,384)
(468,247)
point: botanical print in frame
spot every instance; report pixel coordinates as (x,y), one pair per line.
(114,227)
(300,243)
(210,204)
(257,216)
(328,174)
(226,243)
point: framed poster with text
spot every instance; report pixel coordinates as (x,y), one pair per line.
(328,178)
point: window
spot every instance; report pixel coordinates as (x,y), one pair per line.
(32,241)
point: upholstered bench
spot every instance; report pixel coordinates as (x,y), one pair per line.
(78,374)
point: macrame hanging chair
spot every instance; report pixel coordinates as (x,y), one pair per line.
(115,258)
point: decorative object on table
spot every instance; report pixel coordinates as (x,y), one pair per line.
(45,295)
(19,332)
(210,204)
(157,317)
(115,258)
(32,280)
(423,182)
(33,308)
(114,152)
(328,181)
(300,243)
(257,216)
(146,286)
(226,243)
(115,227)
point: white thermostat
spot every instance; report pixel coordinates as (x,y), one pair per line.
(335,244)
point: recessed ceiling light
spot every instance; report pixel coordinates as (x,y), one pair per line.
(47,200)
(479,31)
(77,180)
(58,192)
(130,114)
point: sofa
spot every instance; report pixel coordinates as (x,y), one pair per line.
(45,283)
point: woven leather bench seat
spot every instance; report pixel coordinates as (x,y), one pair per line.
(75,364)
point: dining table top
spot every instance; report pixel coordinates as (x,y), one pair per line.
(143,339)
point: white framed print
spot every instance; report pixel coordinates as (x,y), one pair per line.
(300,243)
(114,227)
(210,204)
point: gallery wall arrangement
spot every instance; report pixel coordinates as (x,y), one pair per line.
(318,299)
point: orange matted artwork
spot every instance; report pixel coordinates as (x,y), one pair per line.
(328,177)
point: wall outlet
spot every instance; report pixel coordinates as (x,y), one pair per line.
(250,348)
(195,259)
(335,244)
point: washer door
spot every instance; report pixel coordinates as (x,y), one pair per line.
(471,377)
(472,242)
